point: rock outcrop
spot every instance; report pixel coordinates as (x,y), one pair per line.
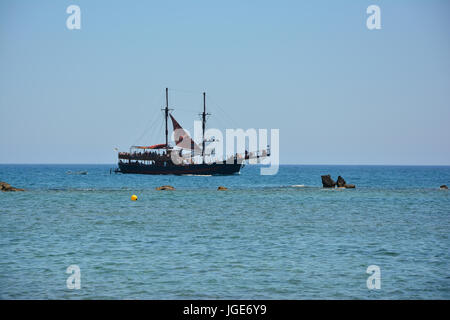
(165,188)
(443,187)
(340,182)
(327,182)
(6,187)
(222,188)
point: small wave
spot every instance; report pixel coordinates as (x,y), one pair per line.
(77,172)
(385,252)
(73,189)
(298,186)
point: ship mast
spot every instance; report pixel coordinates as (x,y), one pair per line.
(166,111)
(204,114)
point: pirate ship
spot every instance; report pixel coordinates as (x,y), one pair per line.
(185,157)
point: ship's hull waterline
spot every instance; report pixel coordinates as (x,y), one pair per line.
(192,169)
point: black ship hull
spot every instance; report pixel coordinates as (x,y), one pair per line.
(194,169)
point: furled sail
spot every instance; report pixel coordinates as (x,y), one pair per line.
(155,146)
(182,138)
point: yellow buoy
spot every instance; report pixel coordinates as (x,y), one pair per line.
(134,197)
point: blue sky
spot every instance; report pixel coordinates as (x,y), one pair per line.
(338,92)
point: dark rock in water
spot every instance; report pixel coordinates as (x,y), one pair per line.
(165,188)
(222,188)
(328,182)
(6,187)
(340,182)
(443,187)
(349,186)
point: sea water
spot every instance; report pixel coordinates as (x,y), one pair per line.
(267,237)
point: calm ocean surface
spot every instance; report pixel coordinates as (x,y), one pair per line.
(263,238)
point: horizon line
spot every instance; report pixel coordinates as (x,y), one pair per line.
(281,164)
